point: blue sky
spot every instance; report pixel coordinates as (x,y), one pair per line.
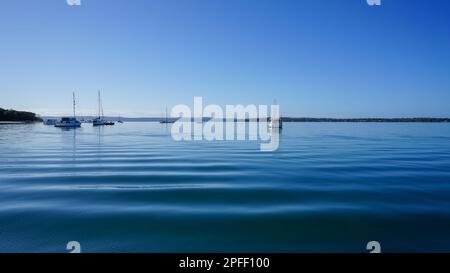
(318,58)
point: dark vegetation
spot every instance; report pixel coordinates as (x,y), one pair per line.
(18,116)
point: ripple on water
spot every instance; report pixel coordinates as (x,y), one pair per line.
(132,188)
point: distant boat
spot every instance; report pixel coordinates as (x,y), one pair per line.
(50,121)
(276,123)
(100,121)
(69,122)
(166,119)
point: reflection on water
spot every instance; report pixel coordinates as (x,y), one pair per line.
(131,187)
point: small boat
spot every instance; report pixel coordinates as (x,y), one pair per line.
(50,121)
(276,123)
(166,119)
(69,122)
(100,121)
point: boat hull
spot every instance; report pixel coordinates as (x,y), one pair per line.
(103,124)
(68,126)
(68,122)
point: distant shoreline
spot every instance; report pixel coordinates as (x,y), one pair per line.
(353,120)
(292,119)
(388,120)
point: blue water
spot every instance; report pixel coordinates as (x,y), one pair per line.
(331,187)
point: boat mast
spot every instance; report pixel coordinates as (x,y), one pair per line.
(73,95)
(101,106)
(167,118)
(99,103)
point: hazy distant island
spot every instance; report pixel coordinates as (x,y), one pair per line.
(13,116)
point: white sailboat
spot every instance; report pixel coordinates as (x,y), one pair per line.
(277,122)
(100,121)
(69,122)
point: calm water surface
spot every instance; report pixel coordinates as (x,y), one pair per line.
(131,188)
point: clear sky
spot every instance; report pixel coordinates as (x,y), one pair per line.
(318,58)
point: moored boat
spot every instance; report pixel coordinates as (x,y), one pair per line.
(50,121)
(69,122)
(276,123)
(100,120)
(166,119)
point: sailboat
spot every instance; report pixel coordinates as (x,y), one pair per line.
(276,123)
(166,119)
(100,121)
(69,122)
